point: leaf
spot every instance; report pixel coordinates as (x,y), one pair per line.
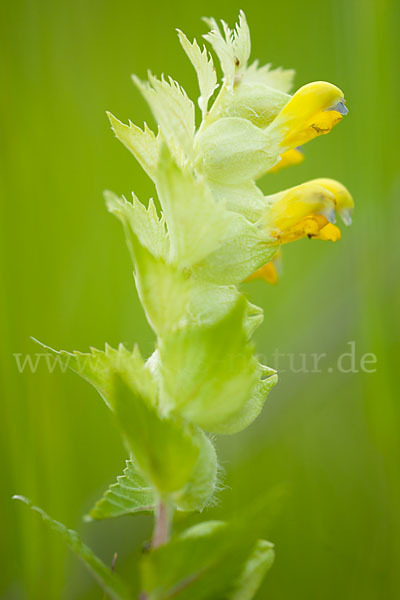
(195,222)
(208,373)
(279,79)
(162,288)
(206,73)
(110,582)
(144,145)
(173,110)
(241,42)
(145,223)
(223,50)
(131,494)
(255,569)
(232,47)
(165,448)
(201,563)
(98,368)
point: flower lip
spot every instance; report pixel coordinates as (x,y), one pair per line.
(340,107)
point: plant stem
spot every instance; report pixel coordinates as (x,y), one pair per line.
(162,524)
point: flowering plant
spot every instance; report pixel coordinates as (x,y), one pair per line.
(213,230)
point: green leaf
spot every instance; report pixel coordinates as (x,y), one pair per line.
(131,494)
(196,223)
(162,287)
(166,449)
(174,113)
(255,569)
(98,368)
(110,582)
(208,373)
(201,563)
(145,223)
(144,145)
(280,79)
(231,47)
(206,73)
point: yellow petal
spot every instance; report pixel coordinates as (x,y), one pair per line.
(267,273)
(344,202)
(329,233)
(291,214)
(289,158)
(310,226)
(310,113)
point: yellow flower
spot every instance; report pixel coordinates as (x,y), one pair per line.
(306,210)
(313,110)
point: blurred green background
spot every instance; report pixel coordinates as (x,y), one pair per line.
(327,444)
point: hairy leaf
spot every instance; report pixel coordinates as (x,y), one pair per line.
(130,494)
(98,368)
